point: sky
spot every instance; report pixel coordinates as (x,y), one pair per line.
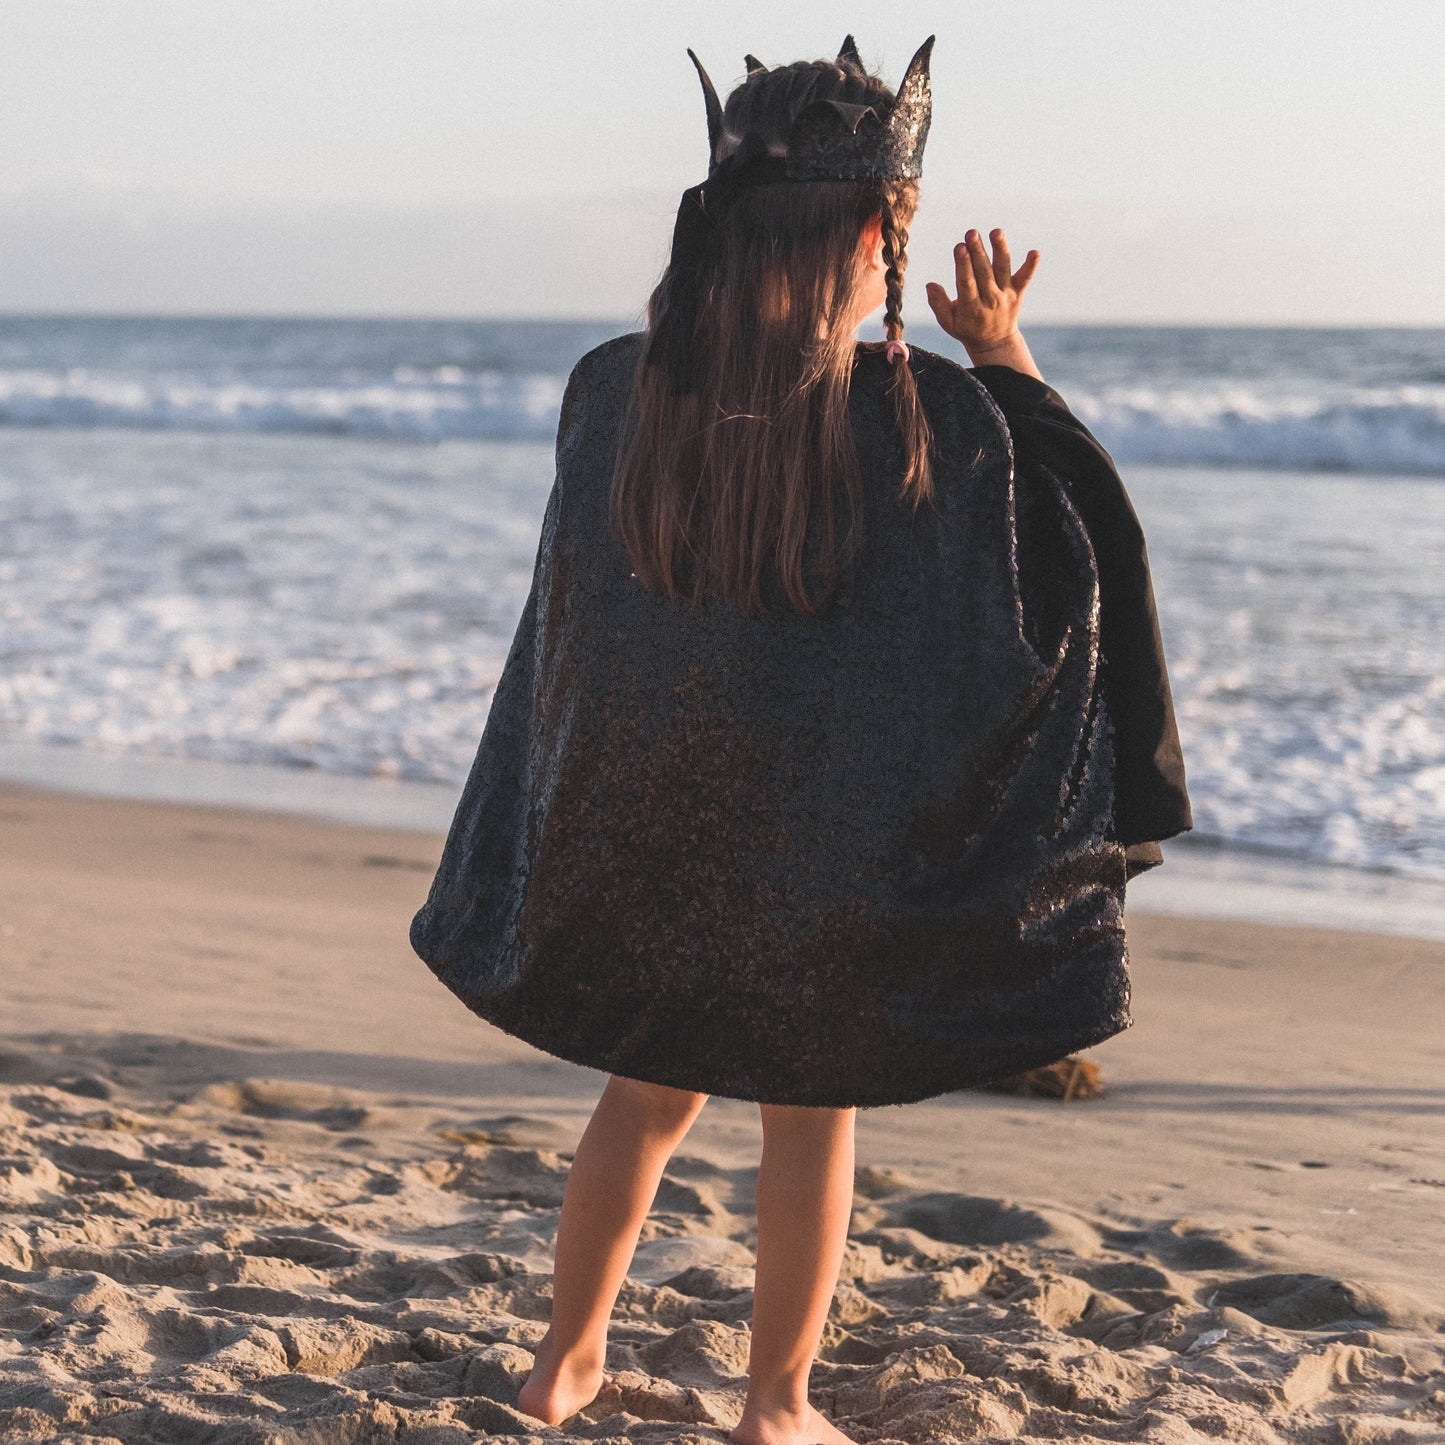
(1240,163)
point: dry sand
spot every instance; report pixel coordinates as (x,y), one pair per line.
(263,1179)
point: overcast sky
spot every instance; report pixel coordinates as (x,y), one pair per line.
(1232,162)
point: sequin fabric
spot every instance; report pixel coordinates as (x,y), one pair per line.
(831,139)
(821,149)
(855,859)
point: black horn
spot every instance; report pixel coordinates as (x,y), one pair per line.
(913,89)
(714,106)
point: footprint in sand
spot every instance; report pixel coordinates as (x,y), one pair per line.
(332,1108)
(978,1220)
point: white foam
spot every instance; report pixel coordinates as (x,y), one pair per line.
(1383,429)
(409,406)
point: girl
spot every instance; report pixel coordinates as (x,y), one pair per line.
(759,812)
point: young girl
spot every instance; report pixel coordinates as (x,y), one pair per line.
(759,812)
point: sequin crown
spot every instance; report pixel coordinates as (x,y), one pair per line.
(829,139)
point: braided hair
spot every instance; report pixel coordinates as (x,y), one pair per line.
(913,425)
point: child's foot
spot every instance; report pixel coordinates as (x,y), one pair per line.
(778,1428)
(558,1388)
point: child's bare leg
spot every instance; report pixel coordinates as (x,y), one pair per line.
(804,1206)
(612,1183)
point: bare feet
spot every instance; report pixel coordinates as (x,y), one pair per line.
(557,1388)
(776,1428)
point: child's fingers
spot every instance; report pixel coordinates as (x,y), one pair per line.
(1025,273)
(1001,263)
(963,272)
(981,266)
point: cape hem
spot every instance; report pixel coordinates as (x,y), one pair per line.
(1024,1056)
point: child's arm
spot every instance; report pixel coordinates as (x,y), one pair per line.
(985,315)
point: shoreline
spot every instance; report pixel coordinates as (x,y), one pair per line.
(1199,878)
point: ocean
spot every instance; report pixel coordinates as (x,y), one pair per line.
(304,545)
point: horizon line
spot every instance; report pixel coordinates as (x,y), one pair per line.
(634,323)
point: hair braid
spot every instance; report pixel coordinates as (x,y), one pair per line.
(895,254)
(913,422)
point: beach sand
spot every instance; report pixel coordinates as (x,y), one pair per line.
(263,1179)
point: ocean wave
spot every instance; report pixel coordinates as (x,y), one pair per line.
(1398,429)
(412,404)
(1383,429)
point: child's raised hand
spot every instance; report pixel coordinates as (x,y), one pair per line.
(985,315)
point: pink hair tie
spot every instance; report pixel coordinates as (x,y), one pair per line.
(895,349)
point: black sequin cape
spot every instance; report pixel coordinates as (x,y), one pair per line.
(860,858)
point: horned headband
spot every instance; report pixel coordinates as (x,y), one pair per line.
(829,140)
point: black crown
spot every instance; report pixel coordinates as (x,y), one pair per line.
(831,140)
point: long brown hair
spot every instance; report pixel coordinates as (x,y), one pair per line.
(714,487)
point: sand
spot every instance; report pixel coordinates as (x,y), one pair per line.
(263,1179)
